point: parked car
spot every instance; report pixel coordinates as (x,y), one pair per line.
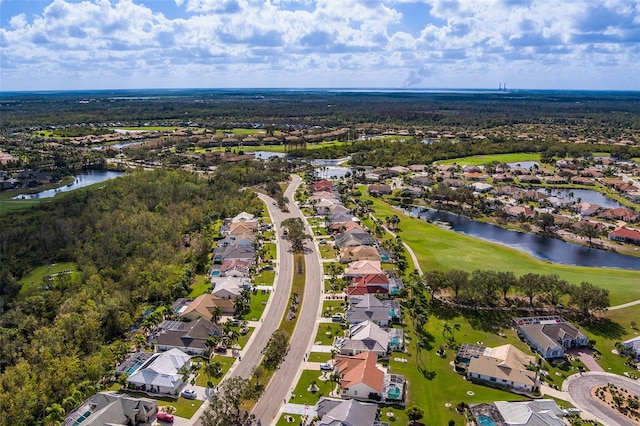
(336,318)
(165,417)
(327,366)
(221,349)
(189,394)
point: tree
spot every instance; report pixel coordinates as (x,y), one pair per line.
(213,369)
(433,280)
(554,288)
(55,415)
(587,297)
(506,281)
(530,286)
(545,221)
(414,413)
(216,314)
(296,233)
(258,372)
(224,409)
(276,349)
(457,279)
(589,231)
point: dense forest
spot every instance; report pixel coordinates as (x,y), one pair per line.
(614,114)
(137,242)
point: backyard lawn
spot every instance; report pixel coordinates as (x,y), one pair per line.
(437,248)
(201,285)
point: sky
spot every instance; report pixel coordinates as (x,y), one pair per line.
(397,44)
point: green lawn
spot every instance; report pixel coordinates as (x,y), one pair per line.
(36,277)
(332,306)
(327,332)
(315,221)
(184,407)
(258,303)
(325,267)
(270,251)
(319,357)
(265,278)
(225,361)
(201,285)
(284,422)
(327,251)
(478,160)
(304,396)
(438,248)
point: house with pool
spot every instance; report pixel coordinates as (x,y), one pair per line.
(551,335)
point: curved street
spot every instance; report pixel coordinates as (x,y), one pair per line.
(579,387)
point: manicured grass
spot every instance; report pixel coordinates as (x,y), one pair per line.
(36,277)
(265,278)
(319,357)
(332,306)
(184,407)
(270,251)
(266,219)
(283,420)
(315,221)
(325,267)
(225,361)
(297,287)
(327,252)
(334,329)
(201,285)
(438,248)
(242,341)
(257,306)
(303,396)
(320,231)
(9,205)
(478,160)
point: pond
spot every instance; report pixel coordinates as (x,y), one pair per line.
(265,155)
(543,248)
(525,164)
(330,162)
(585,196)
(83,179)
(116,145)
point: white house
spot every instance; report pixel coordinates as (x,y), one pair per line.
(162,373)
(633,345)
(365,337)
(506,366)
(229,287)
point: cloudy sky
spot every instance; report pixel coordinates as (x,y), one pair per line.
(111,44)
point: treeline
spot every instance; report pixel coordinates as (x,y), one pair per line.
(137,242)
(378,153)
(487,288)
(615,112)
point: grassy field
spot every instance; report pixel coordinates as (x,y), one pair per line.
(301,394)
(478,160)
(184,407)
(437,248)
(270,251)
(327,332)
(258,303)
(37,276)
(327,251)
(265,278)
(225,361)
(201,285)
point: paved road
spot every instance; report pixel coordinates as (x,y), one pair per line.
(283,380)
(579,387)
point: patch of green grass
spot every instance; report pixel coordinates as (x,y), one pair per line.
(297,287)
(332,306)
(226,363)
(325,267)
(184,407)
(201,285)
(315,221)
(438,248)
(258,304)
(327,252)
(265,278)
(303,396)
(266,219)
(327,332)
(320,231)
(242,341)
(270,251)
(9,205)
(319,357)
(37,276)
(282,421)
(479,160)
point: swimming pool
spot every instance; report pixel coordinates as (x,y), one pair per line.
(485,420)
(393,392)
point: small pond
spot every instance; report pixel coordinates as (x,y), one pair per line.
(83,179)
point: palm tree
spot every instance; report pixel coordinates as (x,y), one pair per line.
(55,415)
(212,369)
(216,314)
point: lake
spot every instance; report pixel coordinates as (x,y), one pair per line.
(586,196)
(83,179)
(550,249)
(265,155)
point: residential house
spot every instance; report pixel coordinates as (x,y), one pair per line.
(229,287)
(344,227)
(350,254)
(203,306)
(366,336)
(502,177)
(634,345)
(342,218)
(481,187)
(323,195)
(514,212)
(370,308)
(540,412)
(475,176)
(323,206)
(244,217)
(354,237)
(234,268)
(242,250)
(379,189)
(506,366)
(550,336)
(338,208)
(188,336)
(422,180)
(587,209)
(338,412)
(363,267)
(620,213)
(625,235)
(111,408)
(361,379)
(581,180)
(322,185)
(162,373)
(237,228)
(555,180)
(529,179)
(367,284)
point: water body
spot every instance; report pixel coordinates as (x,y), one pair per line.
(265,155)
(543,248)
(83,179)
(525,164)
(117,145)
(585,195)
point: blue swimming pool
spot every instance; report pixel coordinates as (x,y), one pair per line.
(485,420)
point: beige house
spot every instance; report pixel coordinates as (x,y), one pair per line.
(350,254)
(203,306)
(506,366)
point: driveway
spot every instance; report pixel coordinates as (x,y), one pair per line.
(579,387)
(586,357)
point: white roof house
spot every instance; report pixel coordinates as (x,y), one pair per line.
(229,287)
(530,413)
(244,217)
(365,337)
(162,372)
(634,345)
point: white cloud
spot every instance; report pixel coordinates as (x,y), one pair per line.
(296,42)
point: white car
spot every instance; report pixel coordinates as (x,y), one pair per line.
(189,394)
(327,366)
